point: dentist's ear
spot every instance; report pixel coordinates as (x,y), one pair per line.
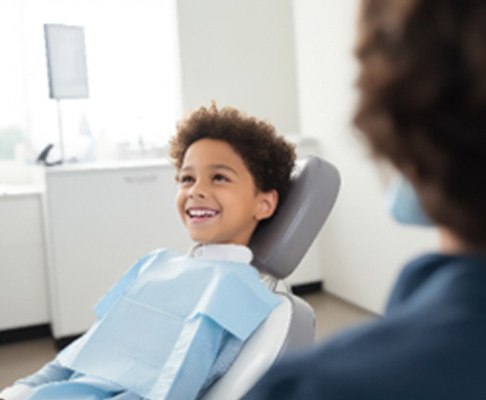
(267,204)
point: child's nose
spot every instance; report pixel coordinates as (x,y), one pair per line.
(198,190)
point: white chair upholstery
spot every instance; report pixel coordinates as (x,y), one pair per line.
(278,248)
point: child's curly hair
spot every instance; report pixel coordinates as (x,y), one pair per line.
(269,157)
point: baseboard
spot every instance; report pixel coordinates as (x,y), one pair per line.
(64,341)
(309,287)
(25,333)
(34,332)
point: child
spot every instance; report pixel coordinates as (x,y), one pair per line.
(173,324)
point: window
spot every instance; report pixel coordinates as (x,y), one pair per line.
(133,77)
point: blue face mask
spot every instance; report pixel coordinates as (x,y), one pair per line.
(404,205)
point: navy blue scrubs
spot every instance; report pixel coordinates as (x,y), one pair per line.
(429,345)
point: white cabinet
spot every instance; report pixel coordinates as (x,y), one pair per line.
(23,294)
(102,218)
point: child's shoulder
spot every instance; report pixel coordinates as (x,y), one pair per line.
(163,252)
(155,256)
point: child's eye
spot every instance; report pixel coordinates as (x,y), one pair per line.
(220,178)
(185,179)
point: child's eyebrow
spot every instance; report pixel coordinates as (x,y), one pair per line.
(213,167)
(223,166)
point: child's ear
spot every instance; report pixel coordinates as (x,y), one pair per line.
(267,204)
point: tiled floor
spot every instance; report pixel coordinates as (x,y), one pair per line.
(20,359)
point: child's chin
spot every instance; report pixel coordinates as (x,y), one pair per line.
(205,241)
(201,239)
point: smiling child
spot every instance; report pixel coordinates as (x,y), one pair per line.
(174,323)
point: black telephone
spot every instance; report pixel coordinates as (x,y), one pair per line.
(42,158)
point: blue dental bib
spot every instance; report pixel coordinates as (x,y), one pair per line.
(166,319)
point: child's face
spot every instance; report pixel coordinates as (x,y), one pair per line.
(217,199)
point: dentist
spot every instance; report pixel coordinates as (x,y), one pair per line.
(422,106)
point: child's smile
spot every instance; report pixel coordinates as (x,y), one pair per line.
(198,215)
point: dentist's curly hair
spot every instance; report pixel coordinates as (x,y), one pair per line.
(422,102)
(268,156)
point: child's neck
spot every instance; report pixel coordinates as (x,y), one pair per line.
(222,251)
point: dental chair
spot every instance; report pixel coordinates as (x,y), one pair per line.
(278,247)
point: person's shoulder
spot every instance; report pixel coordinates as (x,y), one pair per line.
(162,252)
(330,370)
(351,365)
(156,257)
(390,357)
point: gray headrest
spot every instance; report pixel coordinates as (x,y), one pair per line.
(279,246)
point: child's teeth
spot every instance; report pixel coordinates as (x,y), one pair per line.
(202,213)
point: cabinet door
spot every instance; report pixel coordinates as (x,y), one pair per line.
(100,222)
(23,294)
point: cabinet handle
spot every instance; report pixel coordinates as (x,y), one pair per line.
(140,179)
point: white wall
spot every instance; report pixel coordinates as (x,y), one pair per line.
(240,53)
(362,250)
